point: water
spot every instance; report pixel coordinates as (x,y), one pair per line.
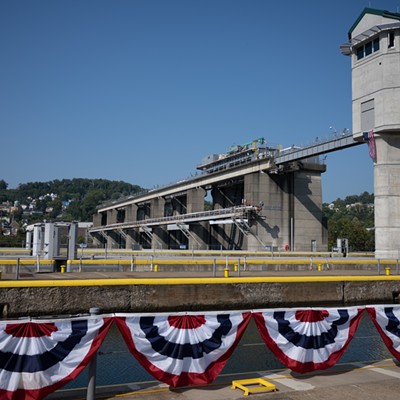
(116,365)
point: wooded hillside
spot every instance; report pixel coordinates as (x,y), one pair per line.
(67,199)
(353,219)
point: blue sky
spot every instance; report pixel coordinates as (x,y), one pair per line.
(142,91)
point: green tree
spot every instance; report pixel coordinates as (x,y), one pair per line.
(352,218)
(3,184)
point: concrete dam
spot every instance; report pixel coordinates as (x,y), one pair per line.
(259,200)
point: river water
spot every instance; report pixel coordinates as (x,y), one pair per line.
(115,365)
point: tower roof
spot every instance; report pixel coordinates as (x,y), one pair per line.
(374,11)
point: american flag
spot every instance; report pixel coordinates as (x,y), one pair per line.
(372,145)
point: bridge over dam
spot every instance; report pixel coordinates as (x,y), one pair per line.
(261,197)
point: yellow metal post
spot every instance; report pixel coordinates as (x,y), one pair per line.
(387,270)
(156,268)
(63,269)
(226,272)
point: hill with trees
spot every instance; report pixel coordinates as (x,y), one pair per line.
(67,199)
(353,219)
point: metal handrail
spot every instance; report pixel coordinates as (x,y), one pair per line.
(236,211)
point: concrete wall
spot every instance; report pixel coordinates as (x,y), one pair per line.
(376,77)
(195,200)
(370,82)
(97,220)
(387,196)
(132,238)
(131,212)
(200,235)
(308,211)
(274,192)
(34,301)
(368,21)
(292,207)
(199,230)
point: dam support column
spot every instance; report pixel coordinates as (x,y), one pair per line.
(271,193)
(160,235)
(387,196)
(307,205)
(132,237)
(293,197)
(113,241)
(73,241)
(226,236)
(131,212)
(198,239)
(97,220)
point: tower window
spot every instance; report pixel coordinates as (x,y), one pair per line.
(367,49)
(360,53)
(375,44)
(391,39)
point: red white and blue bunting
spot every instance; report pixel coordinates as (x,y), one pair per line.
(38,357)
(387,321)
(183,349)
(308,339)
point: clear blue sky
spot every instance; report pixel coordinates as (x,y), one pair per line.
(142,91)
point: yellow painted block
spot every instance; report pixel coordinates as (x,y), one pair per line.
(254,385)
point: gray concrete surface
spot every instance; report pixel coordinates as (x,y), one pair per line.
(379,380)
(155,296)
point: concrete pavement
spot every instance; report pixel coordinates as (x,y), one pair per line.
(106,274)
(353,381)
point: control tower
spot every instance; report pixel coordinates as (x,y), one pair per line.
(374,48)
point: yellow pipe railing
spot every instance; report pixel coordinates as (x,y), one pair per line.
(193,281)
(220,261)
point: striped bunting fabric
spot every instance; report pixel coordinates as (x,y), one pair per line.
(38,357)
(183,349)
(386,319)
(309,339)
(372,145)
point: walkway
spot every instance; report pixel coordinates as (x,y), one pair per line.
(109,274)
(380,380)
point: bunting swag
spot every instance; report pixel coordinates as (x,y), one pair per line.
(387,321)
(183,349)
(38,357)
(310,339)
